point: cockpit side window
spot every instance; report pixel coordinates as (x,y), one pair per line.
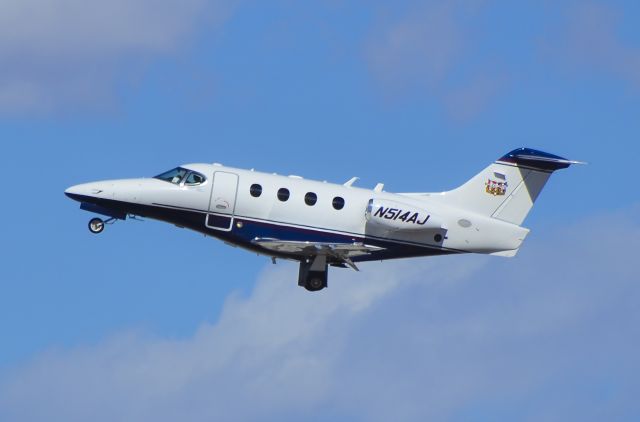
(194,179)
(174,176)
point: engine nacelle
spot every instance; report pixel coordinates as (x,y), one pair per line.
(394,215)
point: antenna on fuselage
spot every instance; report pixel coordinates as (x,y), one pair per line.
(379,187)
(351,181)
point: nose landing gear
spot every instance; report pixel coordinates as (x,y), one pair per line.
(96,225)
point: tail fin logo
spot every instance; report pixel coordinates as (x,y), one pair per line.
(496,188)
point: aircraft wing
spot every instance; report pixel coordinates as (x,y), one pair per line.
(341,251)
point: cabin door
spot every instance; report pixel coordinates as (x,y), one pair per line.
(222,204)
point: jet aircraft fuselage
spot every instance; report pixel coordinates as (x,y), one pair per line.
(322,224)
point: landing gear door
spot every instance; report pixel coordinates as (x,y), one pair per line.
(223,201)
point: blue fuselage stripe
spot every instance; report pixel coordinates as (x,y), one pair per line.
(253,228)
(344,235)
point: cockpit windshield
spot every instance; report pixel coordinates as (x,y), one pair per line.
(173,176)
(194,179)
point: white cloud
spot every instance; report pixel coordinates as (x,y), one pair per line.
(58,54)
(550,334)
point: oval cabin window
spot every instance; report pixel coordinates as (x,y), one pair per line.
(310,198)
(255,190)
(283,194)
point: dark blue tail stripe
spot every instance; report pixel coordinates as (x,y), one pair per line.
(536,159)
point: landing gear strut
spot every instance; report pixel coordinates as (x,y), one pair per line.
(313,273)
(96,225)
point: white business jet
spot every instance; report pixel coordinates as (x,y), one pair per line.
(321,224)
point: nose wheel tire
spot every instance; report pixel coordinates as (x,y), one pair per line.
(96,225)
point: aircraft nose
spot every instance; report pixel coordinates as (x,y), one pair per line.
(73,192)
(84,191)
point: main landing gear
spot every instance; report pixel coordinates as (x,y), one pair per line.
(96,225)
(313,273)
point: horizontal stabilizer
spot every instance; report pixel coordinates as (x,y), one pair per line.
(527,157)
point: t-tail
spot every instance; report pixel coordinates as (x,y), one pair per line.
(508,188)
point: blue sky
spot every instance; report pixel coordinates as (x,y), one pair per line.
(418,95)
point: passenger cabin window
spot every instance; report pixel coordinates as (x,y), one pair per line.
(174,176)
(283,194)
(255,190)
(338,203)
(194,179)
(310,198)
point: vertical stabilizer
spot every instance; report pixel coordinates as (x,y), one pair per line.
(507,189)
